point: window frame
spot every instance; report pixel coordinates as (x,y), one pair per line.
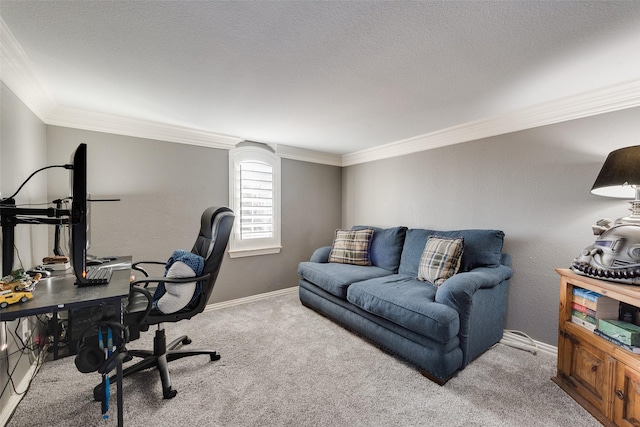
(257,246)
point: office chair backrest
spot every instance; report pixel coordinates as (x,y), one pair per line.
(215,228)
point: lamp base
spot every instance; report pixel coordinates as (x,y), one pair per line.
(631,220)
(634,218)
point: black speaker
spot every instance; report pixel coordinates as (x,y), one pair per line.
(91,357)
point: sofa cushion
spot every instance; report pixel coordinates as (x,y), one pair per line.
(336,278)
(351,247)
(482,248)
(407,302)
(386,246)
(440,259)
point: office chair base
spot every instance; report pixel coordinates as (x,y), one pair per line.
(159,358)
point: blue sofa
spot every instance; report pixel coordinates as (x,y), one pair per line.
(438,329)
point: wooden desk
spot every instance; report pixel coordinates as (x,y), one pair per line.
(60,293)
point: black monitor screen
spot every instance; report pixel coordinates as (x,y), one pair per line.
(79,213)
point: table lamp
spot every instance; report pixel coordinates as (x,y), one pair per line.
(620,178)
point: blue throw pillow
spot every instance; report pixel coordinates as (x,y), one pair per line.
(386,246)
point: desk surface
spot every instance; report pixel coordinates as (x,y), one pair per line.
(58,293)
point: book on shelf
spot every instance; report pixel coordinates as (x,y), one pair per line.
(599,314)
(584,320)
(625,332)
(631,348)
(595,301)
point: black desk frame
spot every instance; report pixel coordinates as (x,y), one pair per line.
(59,293)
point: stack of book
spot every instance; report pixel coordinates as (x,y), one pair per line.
(623,334)
(56,262)
(587,307)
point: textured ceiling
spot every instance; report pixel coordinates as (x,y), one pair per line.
(332,76)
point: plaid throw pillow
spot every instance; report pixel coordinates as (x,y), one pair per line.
(440,259)
(351,247)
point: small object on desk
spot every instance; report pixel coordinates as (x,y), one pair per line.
(55,260)
(41,271)
(59,266)
(10,297)
(19,281)
(56,263)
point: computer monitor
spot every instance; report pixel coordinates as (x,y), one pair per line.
(77,217)
(78,221)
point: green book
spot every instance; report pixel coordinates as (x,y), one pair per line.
(625,332)
(583,316)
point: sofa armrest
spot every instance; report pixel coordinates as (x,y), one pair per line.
(480,298)
(321,254)
(457,291)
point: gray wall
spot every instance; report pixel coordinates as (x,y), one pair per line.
(22,151)
(164,187)
(534,185)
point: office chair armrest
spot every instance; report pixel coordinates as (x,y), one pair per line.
(147,280)
(135,287)
(138,303)
(136,266)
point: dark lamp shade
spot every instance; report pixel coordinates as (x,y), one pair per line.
(620,174)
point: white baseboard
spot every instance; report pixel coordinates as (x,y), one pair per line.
(245,300)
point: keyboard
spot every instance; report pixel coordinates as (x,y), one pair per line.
(99,276)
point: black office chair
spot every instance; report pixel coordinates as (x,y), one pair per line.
(215,228)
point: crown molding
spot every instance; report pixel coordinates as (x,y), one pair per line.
(17,73)
(294,153)
(109,123)
(613,98)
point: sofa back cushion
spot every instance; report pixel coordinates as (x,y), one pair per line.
(352,247)
(386,246)
(482,248)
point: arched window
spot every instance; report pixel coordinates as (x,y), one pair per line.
(254,192)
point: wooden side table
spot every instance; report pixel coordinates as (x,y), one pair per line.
(601,376)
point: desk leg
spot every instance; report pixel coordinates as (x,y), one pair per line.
(56,335)
(119,373)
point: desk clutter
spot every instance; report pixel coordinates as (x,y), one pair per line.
(17,287)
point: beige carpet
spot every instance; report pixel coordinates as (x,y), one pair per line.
(284,365)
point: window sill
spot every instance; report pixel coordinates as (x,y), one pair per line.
(240,253)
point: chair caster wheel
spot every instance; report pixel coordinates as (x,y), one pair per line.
(186,341)
(98,393)
(169,394)
(214,357)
